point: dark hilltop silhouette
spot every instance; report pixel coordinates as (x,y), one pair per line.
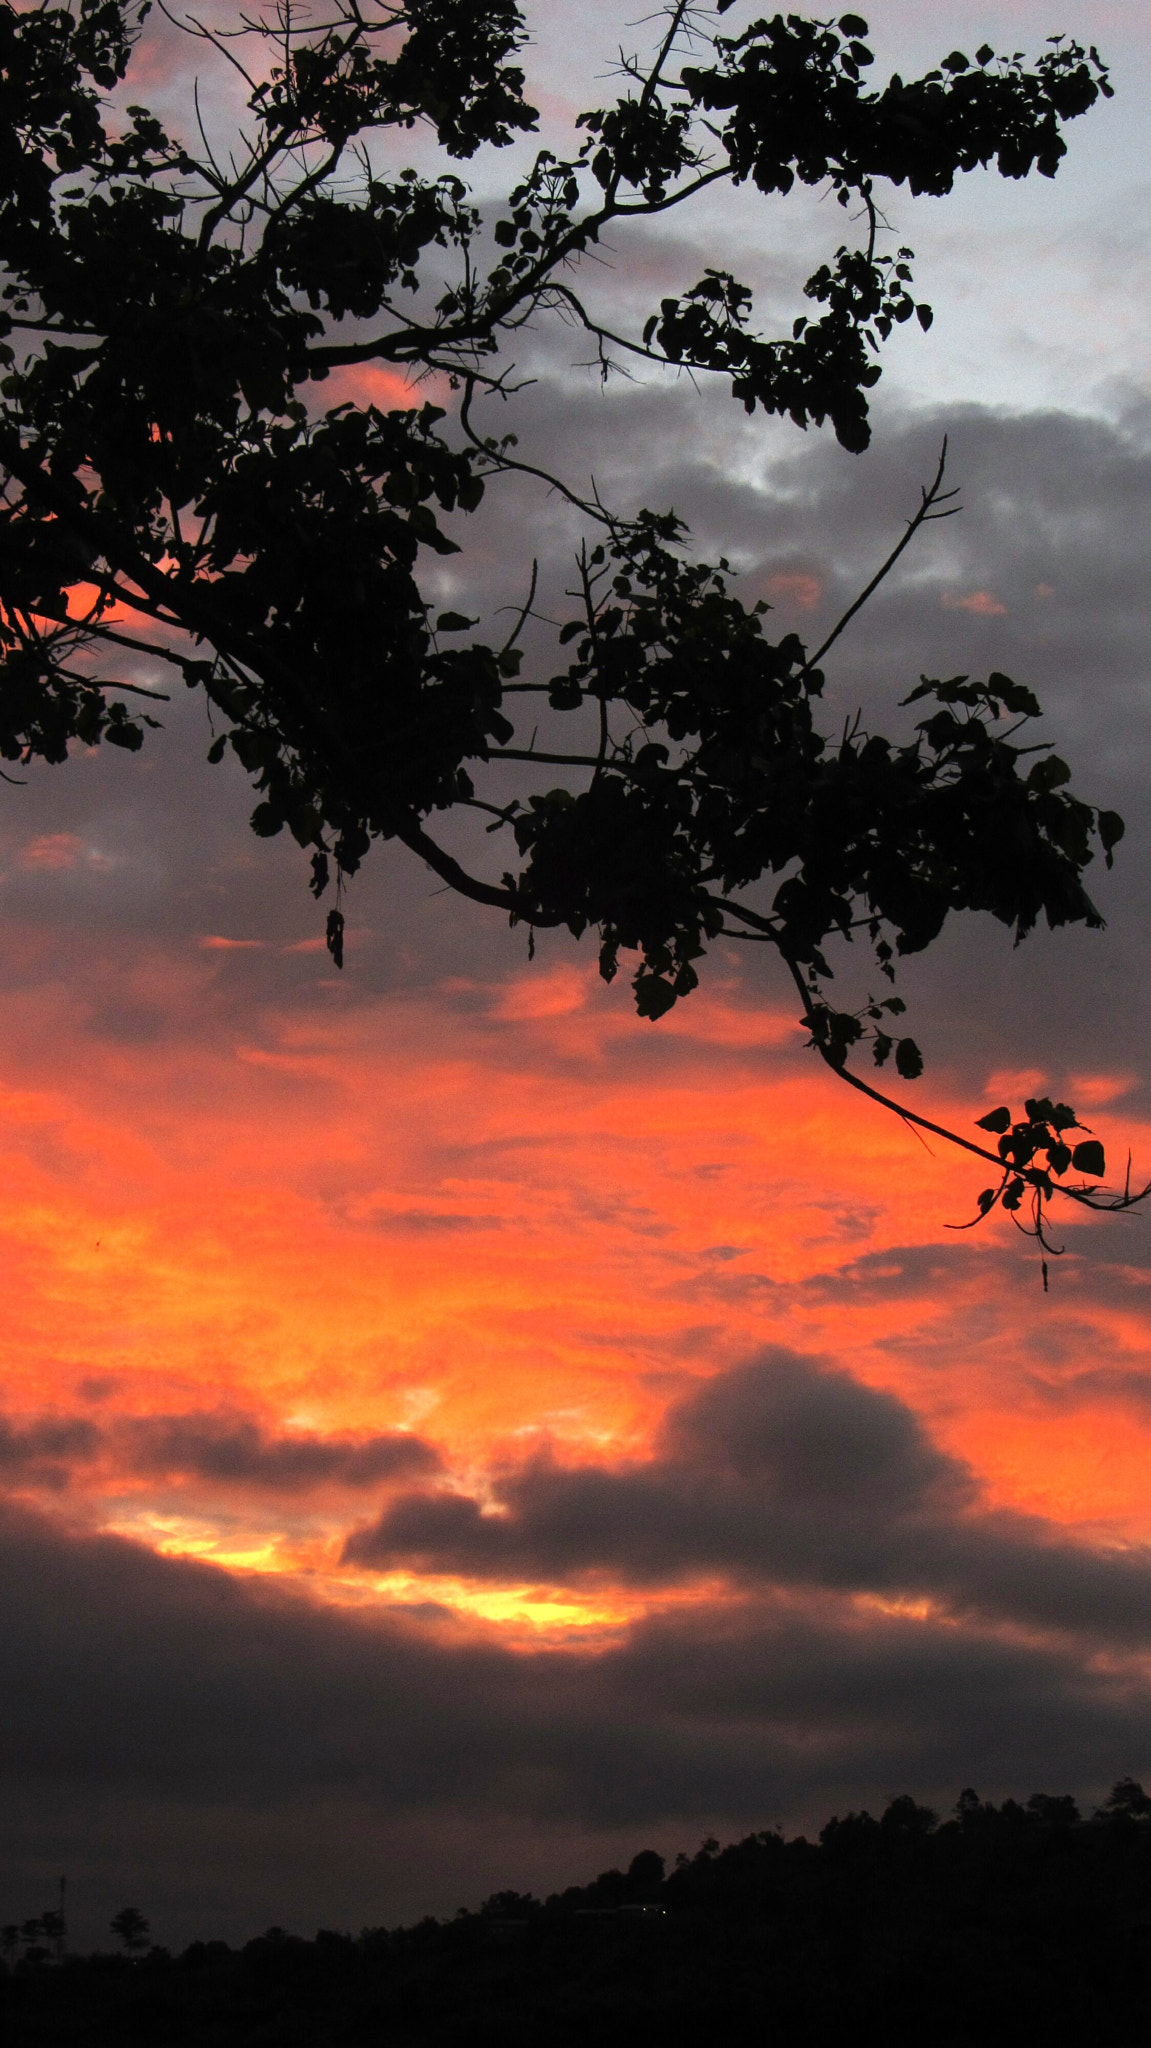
(1025,1923)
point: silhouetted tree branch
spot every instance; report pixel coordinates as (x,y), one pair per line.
(169,319)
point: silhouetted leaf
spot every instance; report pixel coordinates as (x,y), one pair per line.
(1089,1158)
(997,1120)
(1111,829)
(908,1059)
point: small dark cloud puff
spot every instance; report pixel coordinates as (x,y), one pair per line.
(784,1473)
(43,1453)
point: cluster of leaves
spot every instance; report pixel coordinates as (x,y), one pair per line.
(1033,1157)
(791,91)
(824,369)
(1037,1142)
(173,493)
(659,848)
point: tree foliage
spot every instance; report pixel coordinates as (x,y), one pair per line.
(131,1929)
(176,493)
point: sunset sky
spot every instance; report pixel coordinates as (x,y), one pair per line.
(454,1433)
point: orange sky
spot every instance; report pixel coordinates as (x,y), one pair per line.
(497,1210)
(497,1213)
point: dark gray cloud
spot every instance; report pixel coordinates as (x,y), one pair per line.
(231,1448)
(210,1448)
(783,1473)
(44,1451)
(228,1753)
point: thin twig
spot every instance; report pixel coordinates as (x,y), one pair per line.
(932,496)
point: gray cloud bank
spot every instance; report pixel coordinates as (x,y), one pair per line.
(234,1753)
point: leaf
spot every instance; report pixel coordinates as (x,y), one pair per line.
(925,316)
(1111,828)
(997,1120)
(654,997)
(1089,1158)
(123,735)
(266,821)
(1049,773)
(908,1059)
(564,694)
(334,936)
(1018,699)
(454,622)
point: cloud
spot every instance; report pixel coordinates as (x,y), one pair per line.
(232,1449)
(794,586)
(784,1473)
(982,603)
(753,1474)
(44,1452)
(51,850)
(212,1448)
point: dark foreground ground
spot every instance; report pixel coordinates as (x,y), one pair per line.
(1022,1924)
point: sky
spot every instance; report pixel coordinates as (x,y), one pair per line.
(454,1433)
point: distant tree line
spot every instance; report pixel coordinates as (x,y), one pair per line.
(1021,1922)
(43,1939)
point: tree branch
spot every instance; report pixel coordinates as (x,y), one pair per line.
(934,495)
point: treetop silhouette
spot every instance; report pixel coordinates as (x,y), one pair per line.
(175,495)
